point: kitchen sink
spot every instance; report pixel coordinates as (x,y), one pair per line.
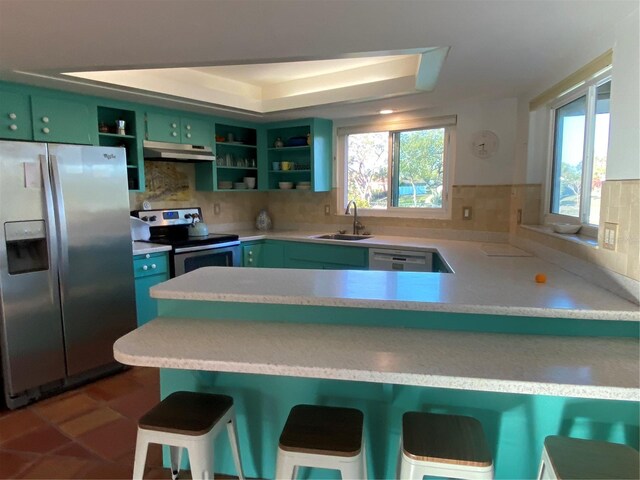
(343,236)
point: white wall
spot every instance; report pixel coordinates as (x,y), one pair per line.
(498,116)
(624,148)
(624,152)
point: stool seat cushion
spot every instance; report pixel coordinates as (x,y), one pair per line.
(323,431)
(451,439)
(574,458)
(186,413)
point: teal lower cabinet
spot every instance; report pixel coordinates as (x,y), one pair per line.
(328,257)
(252,254)
(149,270)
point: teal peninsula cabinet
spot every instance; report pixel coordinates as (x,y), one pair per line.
(390,342)
(149,269)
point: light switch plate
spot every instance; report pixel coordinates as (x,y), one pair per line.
(610,235)
(466,213)
(216,209)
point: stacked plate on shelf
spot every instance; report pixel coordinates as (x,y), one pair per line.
(303,185)
(225,185)
(240,186)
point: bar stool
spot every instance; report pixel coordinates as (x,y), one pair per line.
(573,458)
(322,437)
(188,420)
(451,446)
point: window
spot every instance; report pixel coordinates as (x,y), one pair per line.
(400,172)
(579,156)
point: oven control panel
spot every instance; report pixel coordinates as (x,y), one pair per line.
(169,217)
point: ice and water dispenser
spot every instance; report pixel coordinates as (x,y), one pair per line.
(26,246)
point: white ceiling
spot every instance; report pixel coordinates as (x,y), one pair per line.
(497,48)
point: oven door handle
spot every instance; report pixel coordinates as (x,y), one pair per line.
(213,246)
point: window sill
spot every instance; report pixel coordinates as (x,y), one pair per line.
(573,238)
(408,213)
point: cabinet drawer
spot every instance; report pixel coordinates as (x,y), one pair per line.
(150,264)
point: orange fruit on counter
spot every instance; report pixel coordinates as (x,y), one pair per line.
(541,278)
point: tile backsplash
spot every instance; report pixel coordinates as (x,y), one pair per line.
(495,213)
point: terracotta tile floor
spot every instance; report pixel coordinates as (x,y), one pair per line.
(86,433)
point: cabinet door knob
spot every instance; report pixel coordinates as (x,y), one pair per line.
(45,119)
(188,127)
(173,125)
(13,127)
(153,265)
(251,260)
(13,116)
(147,256)
(45,130)
(250,253)
(174,134)
(145,268)
(188,135)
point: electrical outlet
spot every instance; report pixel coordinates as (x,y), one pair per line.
(610,235)
(327,210)
(466,213)
(216,209)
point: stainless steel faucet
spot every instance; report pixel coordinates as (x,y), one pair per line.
(356,224)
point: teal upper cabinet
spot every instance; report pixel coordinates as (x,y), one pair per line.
(196,132)
(164,127)
(64,121)
(300,153)
(15,116)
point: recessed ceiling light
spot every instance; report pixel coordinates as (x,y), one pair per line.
(386,111)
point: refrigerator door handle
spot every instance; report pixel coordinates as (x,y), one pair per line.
(61,224)
(52,239)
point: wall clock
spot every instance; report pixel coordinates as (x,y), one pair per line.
(484,144)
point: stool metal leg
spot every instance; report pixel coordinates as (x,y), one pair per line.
(142,444)
(176,459)
(201,459)
(285,466)
(235,448)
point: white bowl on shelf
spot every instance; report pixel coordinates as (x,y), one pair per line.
(250,182)
(566,228)
(303,187)
(285,185)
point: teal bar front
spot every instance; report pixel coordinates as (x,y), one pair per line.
(515,424)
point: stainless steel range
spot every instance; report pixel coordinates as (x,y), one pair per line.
(189,252)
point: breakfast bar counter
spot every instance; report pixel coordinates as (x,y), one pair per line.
(584,367)
(527,360)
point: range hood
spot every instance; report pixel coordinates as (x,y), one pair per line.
(176,152)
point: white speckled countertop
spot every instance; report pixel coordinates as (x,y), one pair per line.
(605,368)
(141,248)
(501,285)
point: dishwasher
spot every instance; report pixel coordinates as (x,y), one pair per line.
(400,260)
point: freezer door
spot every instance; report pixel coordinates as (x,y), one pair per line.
(30,318)
(96,267)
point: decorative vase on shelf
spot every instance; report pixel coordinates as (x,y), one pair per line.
(278,143)
(263,221)
(308,139)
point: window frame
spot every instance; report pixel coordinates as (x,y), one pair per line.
(588,89)
(449,125)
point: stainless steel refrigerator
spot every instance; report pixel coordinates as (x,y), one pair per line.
(66,273)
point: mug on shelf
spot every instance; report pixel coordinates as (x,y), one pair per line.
(275,166)
(287,165)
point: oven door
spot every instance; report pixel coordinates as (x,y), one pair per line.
(188,259)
